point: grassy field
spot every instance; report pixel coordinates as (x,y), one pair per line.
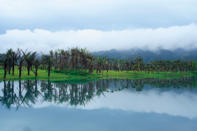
(85,76)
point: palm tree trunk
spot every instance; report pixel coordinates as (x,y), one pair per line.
(5,69)
(20,70)
(36,73)
(49,69)
(28,70)
(9,69)
(12,68)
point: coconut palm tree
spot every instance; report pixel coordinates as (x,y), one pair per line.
(9,59)
(20,61)
(5,68)
(14,60)
(46,60)
(29,59)
(36,66)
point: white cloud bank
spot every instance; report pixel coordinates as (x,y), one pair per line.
(95,40)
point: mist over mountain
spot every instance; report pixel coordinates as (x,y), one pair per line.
(148,55)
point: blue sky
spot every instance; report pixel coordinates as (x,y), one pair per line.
(98,15)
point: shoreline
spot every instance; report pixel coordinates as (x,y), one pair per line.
(85,76)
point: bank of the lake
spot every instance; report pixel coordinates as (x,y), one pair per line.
(85,76)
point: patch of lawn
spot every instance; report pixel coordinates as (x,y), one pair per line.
(82,75)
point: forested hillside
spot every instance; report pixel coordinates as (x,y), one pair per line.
(148,55)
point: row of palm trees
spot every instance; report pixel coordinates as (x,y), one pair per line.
(73,59)
(18,58)
(137,64)
(81,59)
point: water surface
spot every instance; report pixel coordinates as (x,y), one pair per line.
(107,105)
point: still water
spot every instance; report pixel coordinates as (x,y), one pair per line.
(104,105)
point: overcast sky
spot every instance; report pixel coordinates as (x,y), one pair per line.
(97,24)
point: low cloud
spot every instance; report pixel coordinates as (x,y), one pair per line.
(95,40)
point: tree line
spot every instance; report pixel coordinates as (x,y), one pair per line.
(81,59)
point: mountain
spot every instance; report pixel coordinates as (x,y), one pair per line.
(148,55)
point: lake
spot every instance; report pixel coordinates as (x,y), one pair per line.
(103,105)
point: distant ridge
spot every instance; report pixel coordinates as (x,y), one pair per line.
(148,55)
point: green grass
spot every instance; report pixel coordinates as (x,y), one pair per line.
(55,76)
(79,76)
(144,75)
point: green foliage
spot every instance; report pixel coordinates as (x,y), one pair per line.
(195,65)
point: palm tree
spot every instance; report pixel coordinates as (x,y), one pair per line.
(56,60)
(7,62)
(36,65)
(46,60)
(29,59)
(51,57)
(14,59)
(90,63)
(20,61)
(5,68)
(9,59)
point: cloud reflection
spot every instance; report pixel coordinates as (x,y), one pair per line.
(182,104)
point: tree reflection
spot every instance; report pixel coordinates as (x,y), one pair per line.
(29,92)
